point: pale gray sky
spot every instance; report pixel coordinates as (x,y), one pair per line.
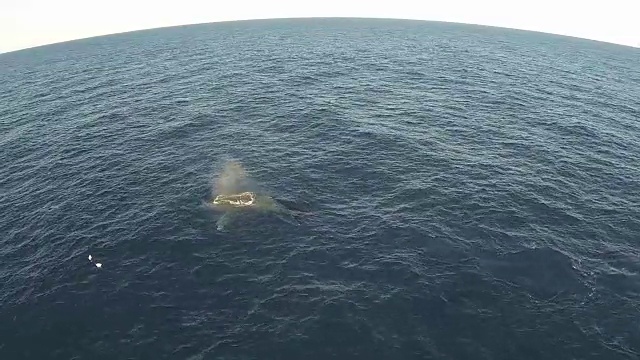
(28,23)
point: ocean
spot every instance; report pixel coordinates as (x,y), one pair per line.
(437,191)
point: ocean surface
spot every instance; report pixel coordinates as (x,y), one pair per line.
(446,192)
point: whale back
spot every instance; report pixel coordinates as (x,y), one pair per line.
(236,200)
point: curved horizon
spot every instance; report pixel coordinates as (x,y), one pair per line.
(35,23)
(311,17)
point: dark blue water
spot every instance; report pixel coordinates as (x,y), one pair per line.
(474,194)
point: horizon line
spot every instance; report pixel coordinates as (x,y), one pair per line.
(637,46)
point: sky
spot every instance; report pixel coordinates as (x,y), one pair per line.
(29,23)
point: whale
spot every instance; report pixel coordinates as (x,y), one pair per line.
(233,205)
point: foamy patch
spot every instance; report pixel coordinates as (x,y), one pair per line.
(97,264)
